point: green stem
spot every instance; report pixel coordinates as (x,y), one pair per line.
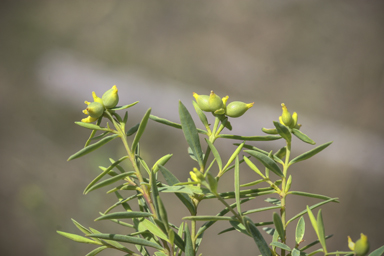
(283,194)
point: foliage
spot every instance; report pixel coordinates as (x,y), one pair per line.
(149,228)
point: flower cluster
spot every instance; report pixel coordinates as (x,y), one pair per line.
(218,106)
(96,108)
(287,119)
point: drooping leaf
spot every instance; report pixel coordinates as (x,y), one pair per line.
(279,226)
(127,239)
(310,153)
(125,106)
(302,137)
(92,147)
(258,238)
(171,180)
(267,162)
(172,124)
(108,181)
(190,133)
(300,230)
(141,129)
(249,138)
(281,246)
(77,238)
(124,215)
(283,131)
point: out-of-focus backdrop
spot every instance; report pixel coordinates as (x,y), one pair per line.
(323,59)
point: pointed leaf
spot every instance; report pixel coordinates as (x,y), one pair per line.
(92,147)
(295,252)
(127,239)
(262,209)
(313,220)
(321,230)
(77,238)
(249,138)
(310,153)
(253,167)
(171,180)
(300,230)
(314,243)
(281,246)
(377,252)
(212,183)
(92,126)
(162,161)
(267,162)
(141,129)
(188,242)
(300,193)
(207,218)
(172,124)
(81,227)
(279,226)
(233,156)
(202,116)
(133,129)
(283,131)
(124,215)
(259,239)
(97,250)
(215,154)
(190,133)
(237,185)
(302,136)
(125,106)
(108,181)
(155,230)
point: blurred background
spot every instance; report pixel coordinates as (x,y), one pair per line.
(323,59)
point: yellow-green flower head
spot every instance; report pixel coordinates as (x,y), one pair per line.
(362,245)
(110,98)
(225,99)
(237,108)
(97,99)
(94,110)
(196,175)
(286,116)
(209,103)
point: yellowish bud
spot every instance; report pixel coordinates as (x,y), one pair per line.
(94,109)
(225,99)
(110,98)
(351,245)
(286,116)
(362,245)
(89,119)
(209,103)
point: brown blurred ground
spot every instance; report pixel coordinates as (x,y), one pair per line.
(324,59)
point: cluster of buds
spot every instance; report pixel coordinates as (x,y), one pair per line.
(361,247)
(218,106)
(96,108)
(287,119)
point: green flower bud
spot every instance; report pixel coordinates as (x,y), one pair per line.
(196,175)
(110,98)
(294,120)
(362,245)
(286,116)
(237,108)
(351,244)
(209,103)
(95,109)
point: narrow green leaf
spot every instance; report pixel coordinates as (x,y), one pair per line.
(92,147)
(108,181)
(253,167)
(300,230)
(202,116)
(92,126)
(281,153)
(237,226)
(295,252)
(212,183)
(313,220)
(97,250)
(207,218)
(300,193)
(314,252)
(283,131)
(155,192)
(321,230)
(269,130)
(281,246)
(122,223)
(171,180)
(275,238)
(155,230)
(163,213)
(259,239)
(127,239)
(243,193)
(232,158)
(111,243)
(377,252)
(270,231)
(141,129)
(262,209)
(279,226)
(160,254)
(267,162)
(190,133)
(310,153)
(172,124)
(162,161)
(133,129)
(336,200)
(125,106)
(275,201)
(252,183)
(237,185)
(188,242)
(77,238)
(81,227)
(314,243)
(249,138)
(302,137)
(124,215)
(101,175)
(215,154)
